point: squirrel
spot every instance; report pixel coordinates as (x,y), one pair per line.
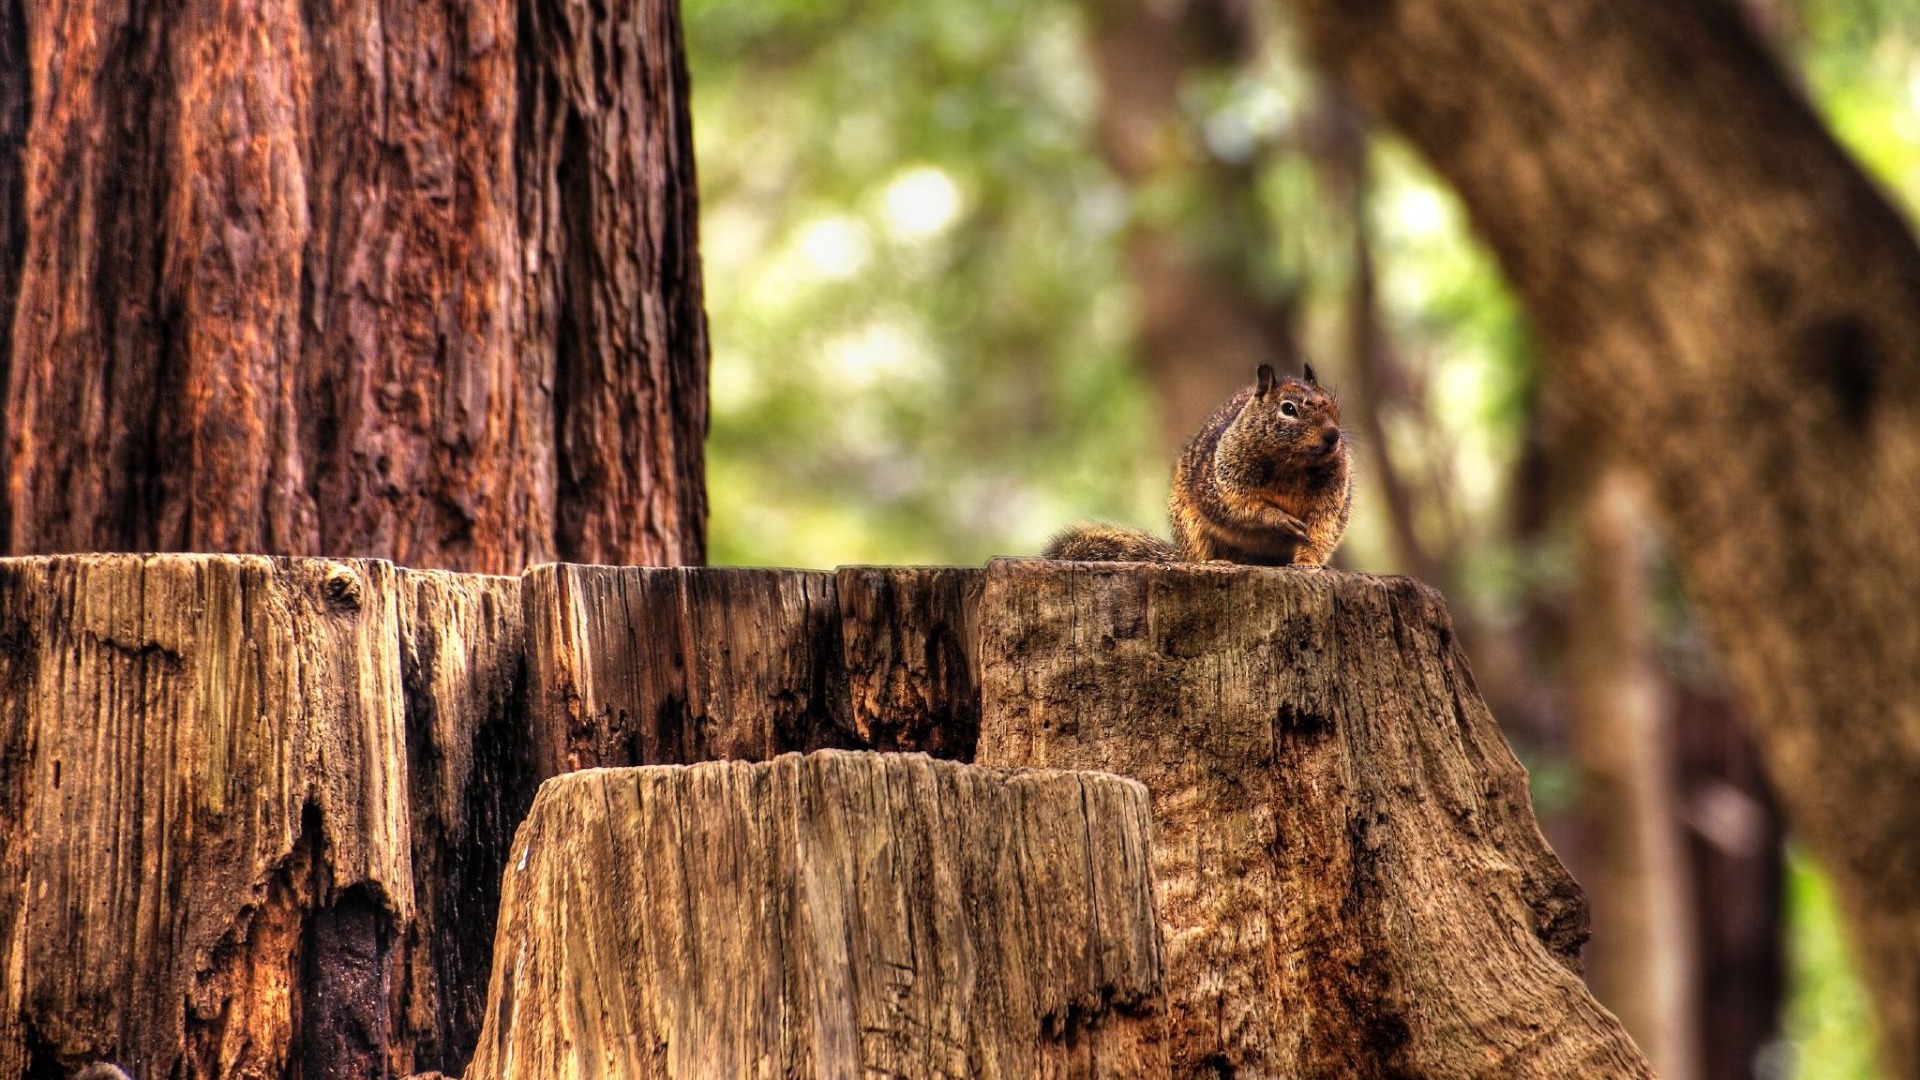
(1268,480)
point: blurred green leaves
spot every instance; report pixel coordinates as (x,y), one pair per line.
(918,328)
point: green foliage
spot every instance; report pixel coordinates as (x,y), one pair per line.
(919,333)
(1825,1030)
(921,325)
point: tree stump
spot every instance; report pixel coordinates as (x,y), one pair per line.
(252,811)
(256,811)
(643,666)
(1348,871)
(648,666)
(833,915)
(908,635)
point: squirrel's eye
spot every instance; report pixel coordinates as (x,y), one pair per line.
(1288,408)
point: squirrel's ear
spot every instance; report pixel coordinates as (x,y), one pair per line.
(1311,381)
(1266,379)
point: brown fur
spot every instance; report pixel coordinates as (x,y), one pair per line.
(1259,486)
(1101,542)
(1256,485)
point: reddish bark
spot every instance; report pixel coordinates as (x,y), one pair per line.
(384,278)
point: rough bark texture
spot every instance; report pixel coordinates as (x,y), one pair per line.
(1347,867)
(1727,294)
(380,277)
(827,916)
(635,666)
(908,636)
(245,819)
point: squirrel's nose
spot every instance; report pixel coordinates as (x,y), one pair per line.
(1329,437)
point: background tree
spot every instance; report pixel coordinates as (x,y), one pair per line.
(417,281)
(1741,330)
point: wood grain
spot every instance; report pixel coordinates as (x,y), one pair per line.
(907,640)
(213,751)
(470,778)
(643,666)
(1347,867)
(828,916)
(252,811)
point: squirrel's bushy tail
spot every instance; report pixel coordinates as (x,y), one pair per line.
(1101,542)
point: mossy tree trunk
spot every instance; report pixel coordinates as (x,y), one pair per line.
(376,278)
(1732,301)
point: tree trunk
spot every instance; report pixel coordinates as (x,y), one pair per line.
(833,915)
(416,280)
(1729,297)
(1348,870)
(253,812)
(1642,955)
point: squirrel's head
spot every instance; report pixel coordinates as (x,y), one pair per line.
(1289,426)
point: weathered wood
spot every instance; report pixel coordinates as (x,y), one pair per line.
(1348,871)
(827,916)
(907,637)
(470,776)
(212,754)
(640,666)
(252,811)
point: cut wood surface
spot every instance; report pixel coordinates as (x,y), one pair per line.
(835,915)
(240,823)
(470,776)
(642,666)
(1348,871)
(256,811)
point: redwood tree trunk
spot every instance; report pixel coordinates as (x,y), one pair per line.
(414,280)
(1731,299)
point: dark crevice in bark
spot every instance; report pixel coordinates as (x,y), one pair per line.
(574,475)
(344,1021)
(1842,351)
(16,97)
(318,394)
